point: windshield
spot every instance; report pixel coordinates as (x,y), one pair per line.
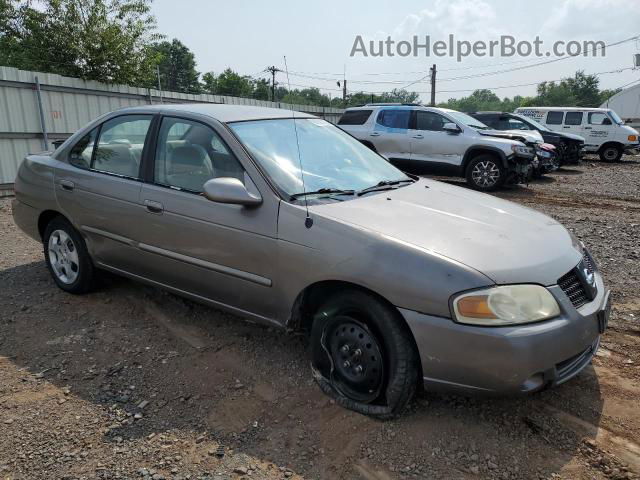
(331,159)
(532,122)
(614,116)
(468,120)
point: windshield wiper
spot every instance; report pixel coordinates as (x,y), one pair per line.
(383,185)
(322,191)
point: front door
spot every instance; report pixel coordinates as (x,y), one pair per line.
(221,252)
(431,143)
(598,129)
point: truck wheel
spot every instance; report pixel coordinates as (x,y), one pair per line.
(67,258)
(485,173)
(363,354)
(610,153)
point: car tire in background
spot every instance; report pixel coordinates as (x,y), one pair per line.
(363,354)
(610,152)
(67,257)
(485,173)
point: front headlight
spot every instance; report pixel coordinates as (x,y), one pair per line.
(522,150)
(505,305)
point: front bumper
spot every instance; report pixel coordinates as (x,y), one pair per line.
(508,360)
(632,149)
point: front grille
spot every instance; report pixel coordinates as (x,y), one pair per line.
(572,285)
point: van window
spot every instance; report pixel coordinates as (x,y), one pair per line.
(598,118)
(573,118)
(394,118)
(555,118)
(354,117)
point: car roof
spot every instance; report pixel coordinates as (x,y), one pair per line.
(566,109)
(221,112)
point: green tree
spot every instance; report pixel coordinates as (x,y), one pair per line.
(262,89)
(105,40)
(228,83)
(177,67)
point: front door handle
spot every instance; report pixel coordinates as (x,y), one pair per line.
(67,185)
(418,136)
(588,128)
(374,134)
(153,207)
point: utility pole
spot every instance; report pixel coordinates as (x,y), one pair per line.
(272,69)
(344,91)
(433,85)
(159,84)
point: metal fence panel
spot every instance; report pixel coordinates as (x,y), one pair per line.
(70,103)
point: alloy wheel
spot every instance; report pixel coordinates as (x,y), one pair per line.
(485,173)
(63,257)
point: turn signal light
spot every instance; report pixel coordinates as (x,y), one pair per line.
(632,138)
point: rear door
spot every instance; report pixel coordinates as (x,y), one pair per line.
(390,133)
(99,188)
(431,143)
(598,129)
(220,252)
(574,123)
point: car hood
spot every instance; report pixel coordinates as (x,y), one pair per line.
(530,136)
(504,241)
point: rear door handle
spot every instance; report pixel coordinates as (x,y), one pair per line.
(374,134)
(153,207)
(418,136)
(67,185)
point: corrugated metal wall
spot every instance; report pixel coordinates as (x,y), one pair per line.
(71,103)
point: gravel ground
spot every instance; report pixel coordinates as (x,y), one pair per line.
(131,382)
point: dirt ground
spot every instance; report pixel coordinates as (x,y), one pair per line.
(131,382)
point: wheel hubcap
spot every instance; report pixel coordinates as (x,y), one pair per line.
(357,365)
(63,257)
(610,154)
(485,174)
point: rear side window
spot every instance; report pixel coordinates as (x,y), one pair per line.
(573,118)
(119,148)
(354,117)
(555,118)
(394,118)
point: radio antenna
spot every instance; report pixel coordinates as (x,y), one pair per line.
(308,221)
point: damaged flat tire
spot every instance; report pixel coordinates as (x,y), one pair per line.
(363,354)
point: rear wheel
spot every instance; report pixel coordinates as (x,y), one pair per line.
(67,258)
(610,153)
(363,355)
(485,173)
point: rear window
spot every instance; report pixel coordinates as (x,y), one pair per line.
(354,117)
(394,118)
(555,118)
(573,118)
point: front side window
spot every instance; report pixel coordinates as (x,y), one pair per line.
(288,150)
(430,121)
(599,119)
(119,148)
(189,153)
(394,118)
(81,153)
(555,118)
(573,118)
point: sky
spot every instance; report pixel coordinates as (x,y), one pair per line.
(317,38)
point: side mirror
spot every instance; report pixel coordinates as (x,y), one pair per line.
(451,128)
(230,190)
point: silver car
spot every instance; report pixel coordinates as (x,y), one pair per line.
(282,218)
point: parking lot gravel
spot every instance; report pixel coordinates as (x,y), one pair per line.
(131,382)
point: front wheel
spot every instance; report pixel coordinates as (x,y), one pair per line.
(67,258)
(485,173)
(610,153)
(363,354)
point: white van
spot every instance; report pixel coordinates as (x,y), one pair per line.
(602,128)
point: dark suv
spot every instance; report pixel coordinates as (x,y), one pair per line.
(568,146)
